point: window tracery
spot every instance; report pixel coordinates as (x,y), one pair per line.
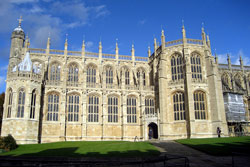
(91,76)
(53,107)
(21,102)
(93,108)
(179,106)
(200,105)
(10,103)
(131,110)
(73,108)
(73,75)
(112,109)
(149,106)
(196,70)
(176,67)
(55,72)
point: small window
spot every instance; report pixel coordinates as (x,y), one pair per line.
(149,106)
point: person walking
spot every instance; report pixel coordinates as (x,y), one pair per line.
(218,131)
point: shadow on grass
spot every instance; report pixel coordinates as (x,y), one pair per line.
(71,152)
(222,149)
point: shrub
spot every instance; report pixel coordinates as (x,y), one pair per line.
(8,143)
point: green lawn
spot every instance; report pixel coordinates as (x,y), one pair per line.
(86,149)
(219,146)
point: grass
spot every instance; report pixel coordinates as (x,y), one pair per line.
(86,149)
(219,146)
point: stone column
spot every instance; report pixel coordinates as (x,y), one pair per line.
(189,101)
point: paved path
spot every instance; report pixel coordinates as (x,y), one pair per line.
(197,158)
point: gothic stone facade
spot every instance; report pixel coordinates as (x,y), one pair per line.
(57,95)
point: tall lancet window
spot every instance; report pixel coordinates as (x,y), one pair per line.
(109,76)
(200,108)
(179,106)
(112,109)
(21,102)
(176,67)
(93,108)
(33,104)
(131,110)
(73,75)
(10,103)
(195,60)
(55,72)
(73,108)
(53,107)
(91,76)
(127,81)
(144,78)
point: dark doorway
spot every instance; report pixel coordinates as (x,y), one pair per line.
(152,131)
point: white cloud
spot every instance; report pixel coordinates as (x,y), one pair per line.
(89,46)
(222,58)
(246,60)
(235,58)
(56,18)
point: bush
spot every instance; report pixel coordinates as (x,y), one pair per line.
(8,143)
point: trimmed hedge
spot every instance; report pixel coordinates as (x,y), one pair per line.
(8,143)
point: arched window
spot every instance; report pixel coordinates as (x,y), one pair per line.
(149,106)
(144,78)
(138,77)
(141,74)
(21,102)
(53,107)
(33,104)
(131,110)
(112,109)
(177,67)
(73,108)
(55,72)
(200,105)
(73,75)
(91,76)
(10,103)
(93,108)
(239,81)
(179,106)
(109,76)
(127,81)
(196,66)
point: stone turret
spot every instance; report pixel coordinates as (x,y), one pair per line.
(17,42)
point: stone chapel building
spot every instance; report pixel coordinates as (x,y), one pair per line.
(178,91)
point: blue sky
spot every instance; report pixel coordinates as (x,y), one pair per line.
(130,21)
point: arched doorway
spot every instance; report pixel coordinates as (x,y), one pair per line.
(152,131)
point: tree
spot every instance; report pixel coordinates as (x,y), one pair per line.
(1,109)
